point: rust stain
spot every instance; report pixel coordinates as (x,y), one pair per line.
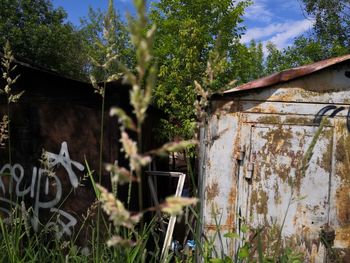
(279,137)
(342,154)
(238,136)
(279,143)
(287,96)
(232,195)
(342,157)
(326,160)
(259,200)
(262,203)
(277,194)
(269,119)
(212,191)
(231,205)
(276,119)
(342,237)
(272,109)
(343,204)
(230,221)
(299,120)
(269,109)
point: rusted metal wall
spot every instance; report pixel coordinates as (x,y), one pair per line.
(251,164)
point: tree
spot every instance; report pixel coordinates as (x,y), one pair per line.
(247,61)
(187,31)
(303,51)
(332,25)
(94,28)
(38,32)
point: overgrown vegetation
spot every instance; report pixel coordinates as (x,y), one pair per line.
(202,59)
(124,243)
(184,40)
(39,33)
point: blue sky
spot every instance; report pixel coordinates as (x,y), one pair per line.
(279,21)
(79,8)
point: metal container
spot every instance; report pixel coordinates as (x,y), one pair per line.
(265,162)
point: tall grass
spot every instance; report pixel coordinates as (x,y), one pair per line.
(120,235)
(124,236)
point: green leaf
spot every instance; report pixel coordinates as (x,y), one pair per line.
(243,252)
(216,260)
(228,259)
(93,182)
(232,235)
(244,228)
(260,248)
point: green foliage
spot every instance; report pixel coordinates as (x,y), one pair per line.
(19,244)
(39,32)
(103,34)
(197,40)
(305,50)
(247,62)
(276,60)
(142,81)
(186,34)
(332,26)
(251,249)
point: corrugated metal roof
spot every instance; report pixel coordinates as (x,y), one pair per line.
(288,74)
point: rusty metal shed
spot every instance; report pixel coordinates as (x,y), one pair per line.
(252,147)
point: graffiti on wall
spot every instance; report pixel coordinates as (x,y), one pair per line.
(44,185)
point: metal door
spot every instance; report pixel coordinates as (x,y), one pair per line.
(274,191)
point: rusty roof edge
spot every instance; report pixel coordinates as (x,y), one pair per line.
(288,75)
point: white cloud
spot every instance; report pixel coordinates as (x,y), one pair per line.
(266,11)
(258,11)
(290,5)
(259,33)
(281,34)
(296,28)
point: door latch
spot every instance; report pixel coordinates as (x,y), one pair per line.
(250,171)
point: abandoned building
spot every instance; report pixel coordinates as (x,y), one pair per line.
(276,152)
